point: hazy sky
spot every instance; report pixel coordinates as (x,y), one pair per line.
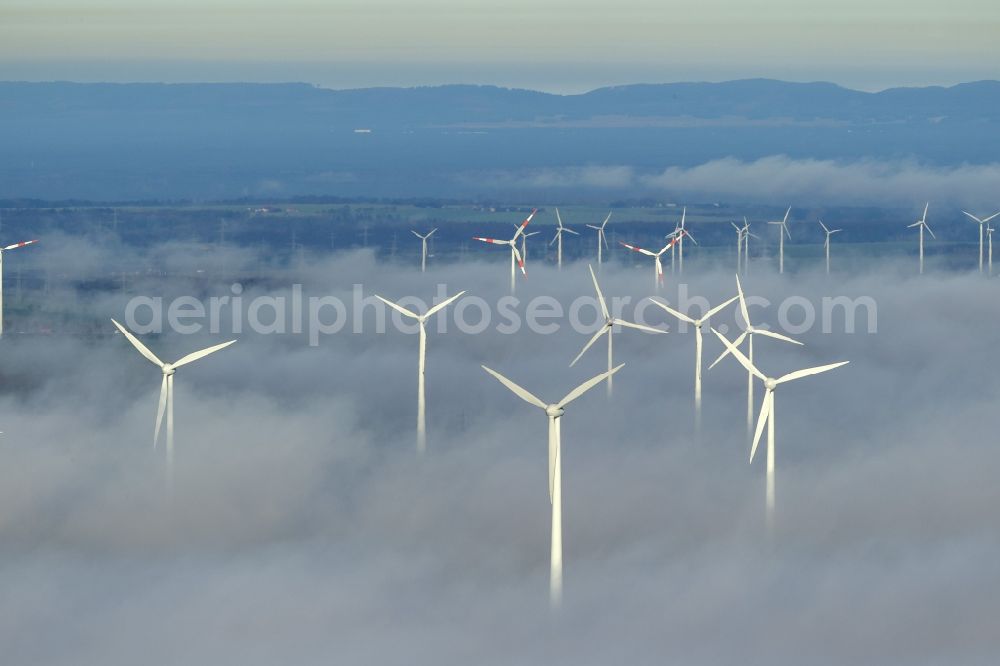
(552,44)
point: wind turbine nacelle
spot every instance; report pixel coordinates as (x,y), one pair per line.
(168,369)
(554,411)
(770,384)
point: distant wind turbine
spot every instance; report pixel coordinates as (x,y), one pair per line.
(560,230)
(680,233)
(767,411)
(826,243)
(167,389)
(554,412)
(423,247)
(2,250)
(922,224)
(608,327)
(747,235)
(739,248)
(981,222)
(515,256)
(989,236)
(748,333)
(602,239)
(657,264)
(698,323)
(782,232)
(422,320)
(524,245)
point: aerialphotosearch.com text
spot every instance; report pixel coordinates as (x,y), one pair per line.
(296,313)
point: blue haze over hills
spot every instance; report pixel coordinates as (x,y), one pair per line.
(218,141)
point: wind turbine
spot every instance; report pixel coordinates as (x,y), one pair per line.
(826,243)
(423,247)
(558,238)
(524,244)
(981,223)
(2,250)
(601,238)
(680,232)
(608,327)
(747,235)
(782,231)
(167,389)
(555,413)
(922,224)
(767,410)
(515,256)
(657,264)
(748,334)
(698,323)
(422,320)
(989,236)
(739,248)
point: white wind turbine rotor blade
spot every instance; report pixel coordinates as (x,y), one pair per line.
(398,308)
(556,237)
(494,241)
(833,231)
(927,227)
(638,327)
(586,386)
(688,235)
(799,374)
(590,343)
(725,352)
(718,308)
(553,459)
(416,234)
(738,355)
(604,238)
(679,315)
(594,227)
(431,232)
(600,296)
(520,228)
(21,244)
(776,336)
(520,261)
(150,356)
(974,218)
(744,311)
(926,206)
(558,218)
(605,222)
(194,356)
(159,410)
(987,219)
(570,231)
(516,390)
(636,248)
(442,305)
(915,224)
(824,226)
(765,413)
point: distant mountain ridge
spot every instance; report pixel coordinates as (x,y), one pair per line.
(750,98)
(142,140)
